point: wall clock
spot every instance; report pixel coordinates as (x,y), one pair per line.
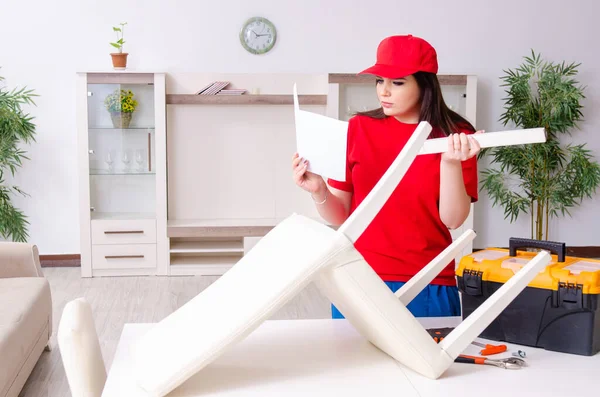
(258,35)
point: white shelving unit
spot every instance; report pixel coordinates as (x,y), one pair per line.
(122,176)
(229,165)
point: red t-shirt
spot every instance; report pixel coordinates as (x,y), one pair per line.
(408,232)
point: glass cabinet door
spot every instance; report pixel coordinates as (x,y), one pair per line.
(121,141)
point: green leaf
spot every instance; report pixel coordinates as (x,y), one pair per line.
(115,45)
(541,94)
(16,129)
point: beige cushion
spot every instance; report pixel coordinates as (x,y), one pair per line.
(25,312)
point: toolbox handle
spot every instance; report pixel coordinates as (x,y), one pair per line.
(560,249)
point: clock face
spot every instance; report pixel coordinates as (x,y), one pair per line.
(258,35)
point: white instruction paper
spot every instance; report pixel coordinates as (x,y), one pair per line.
(322,141)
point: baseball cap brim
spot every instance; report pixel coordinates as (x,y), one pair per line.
(388,71)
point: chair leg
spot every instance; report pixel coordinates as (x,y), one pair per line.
(472,326)
(420,280)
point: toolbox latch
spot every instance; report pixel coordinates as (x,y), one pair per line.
(569,296)
(472,282)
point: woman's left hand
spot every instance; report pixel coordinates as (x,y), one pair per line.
(461,147)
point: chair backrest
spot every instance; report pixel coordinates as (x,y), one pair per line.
(80,350)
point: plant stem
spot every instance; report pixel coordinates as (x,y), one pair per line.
(547,207)
(531,206)
(531,211)
(538,222)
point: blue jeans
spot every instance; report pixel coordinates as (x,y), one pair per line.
(433,301)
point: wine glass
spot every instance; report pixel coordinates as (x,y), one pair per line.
(109,159)
(125,158)
(139,159)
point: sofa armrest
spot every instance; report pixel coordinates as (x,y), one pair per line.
(19,260)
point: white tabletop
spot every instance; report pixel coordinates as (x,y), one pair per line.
(329,358)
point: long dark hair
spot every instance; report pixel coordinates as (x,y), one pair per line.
(433,108)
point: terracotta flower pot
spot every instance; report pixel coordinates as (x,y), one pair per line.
(121,119)
(119,60)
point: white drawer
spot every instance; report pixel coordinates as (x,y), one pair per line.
(135,231)
(133,256)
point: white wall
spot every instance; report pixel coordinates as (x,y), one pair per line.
(43,44)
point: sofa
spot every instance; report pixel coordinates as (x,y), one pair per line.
(25,315)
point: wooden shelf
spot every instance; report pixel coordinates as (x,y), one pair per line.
(184,99)
(199,228)
(207,247)
(349,78)
(220,227)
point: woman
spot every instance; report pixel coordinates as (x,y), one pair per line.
(436,191)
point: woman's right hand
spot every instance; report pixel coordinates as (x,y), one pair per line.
(309,181)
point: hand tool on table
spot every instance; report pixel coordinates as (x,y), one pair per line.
(438,334)
(506,363)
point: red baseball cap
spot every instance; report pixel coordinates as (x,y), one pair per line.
(400,56)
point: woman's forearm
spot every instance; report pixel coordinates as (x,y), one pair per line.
(333,209)
(454,200)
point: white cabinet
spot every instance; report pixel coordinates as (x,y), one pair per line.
(122,173)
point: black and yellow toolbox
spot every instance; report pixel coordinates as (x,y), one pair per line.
(559,309)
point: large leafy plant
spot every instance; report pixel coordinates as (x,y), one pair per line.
(16,127)
(547,179)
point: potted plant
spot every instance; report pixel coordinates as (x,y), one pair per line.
(547,179)
(16,128)
(119,59)
(121,105)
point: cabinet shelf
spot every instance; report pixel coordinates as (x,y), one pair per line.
(207,247)
(350,78)
(220,227)
(120,173)
(105,216)
(185,99)
(122,129)
(223,228)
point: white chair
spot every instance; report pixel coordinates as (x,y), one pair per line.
(80,350)
(299,251)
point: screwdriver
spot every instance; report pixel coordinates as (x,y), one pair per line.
(490,349)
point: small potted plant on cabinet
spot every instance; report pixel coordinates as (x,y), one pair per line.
(119,59)
(121,105)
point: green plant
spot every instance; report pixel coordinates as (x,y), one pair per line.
(121,101)
(544,179)
(16,127)
(120,32)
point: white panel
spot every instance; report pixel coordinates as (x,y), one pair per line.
(84,183)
